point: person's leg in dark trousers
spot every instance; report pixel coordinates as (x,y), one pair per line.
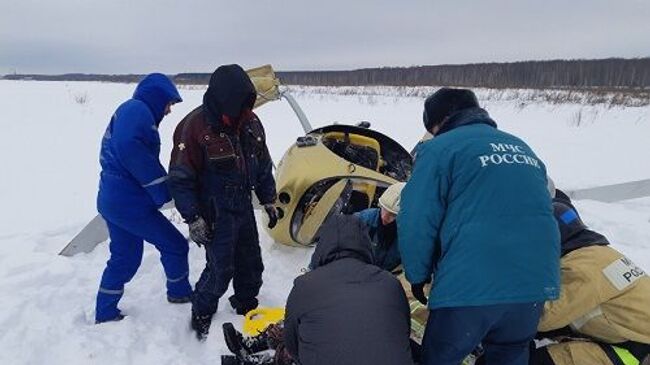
(540,357)
(452,333)
(248,265)
(416,351)
(219,267)
(126,255)
(505,331)
(508,341)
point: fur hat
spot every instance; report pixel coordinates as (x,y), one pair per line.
(444,102)
(390,199)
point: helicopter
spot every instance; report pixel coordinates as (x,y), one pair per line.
(332,170)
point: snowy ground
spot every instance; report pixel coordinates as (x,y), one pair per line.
(50,137)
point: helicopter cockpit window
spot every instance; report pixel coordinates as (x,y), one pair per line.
(360,150)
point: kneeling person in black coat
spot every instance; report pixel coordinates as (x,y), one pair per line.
(346,310)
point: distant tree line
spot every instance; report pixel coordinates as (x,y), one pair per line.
(612,73)
(129,78)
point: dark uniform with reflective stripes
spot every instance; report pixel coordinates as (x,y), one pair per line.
(217,161)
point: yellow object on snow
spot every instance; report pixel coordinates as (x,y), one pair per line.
(258,319)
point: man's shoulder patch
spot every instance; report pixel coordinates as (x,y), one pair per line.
(623,273)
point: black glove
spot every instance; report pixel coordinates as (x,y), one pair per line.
(272,213)
(418,292)
(200,232)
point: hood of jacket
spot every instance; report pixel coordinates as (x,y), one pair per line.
(342,236)
(584,238)
(230,93)
(466,117)
(157,90)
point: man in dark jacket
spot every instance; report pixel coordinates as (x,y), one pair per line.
(132,188)
(476,215)
(219,157)
(346,310)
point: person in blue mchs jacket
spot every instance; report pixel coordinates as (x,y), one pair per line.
(382,228)
(132,188)
(476,218)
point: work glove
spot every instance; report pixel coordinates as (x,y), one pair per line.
(272,213)
(418,292)
(200,233)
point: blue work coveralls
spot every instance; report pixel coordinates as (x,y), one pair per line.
(131,190)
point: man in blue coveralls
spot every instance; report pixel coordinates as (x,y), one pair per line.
(131,190)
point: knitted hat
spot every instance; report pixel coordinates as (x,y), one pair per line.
(390,199)
(444,102)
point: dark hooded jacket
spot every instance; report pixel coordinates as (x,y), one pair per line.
(220,153)
(132,180)
(346,310)
(229,93)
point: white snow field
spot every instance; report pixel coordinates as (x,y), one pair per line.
(49,138)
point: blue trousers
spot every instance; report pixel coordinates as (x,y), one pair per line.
(126,245)
(505,330)
(234,254)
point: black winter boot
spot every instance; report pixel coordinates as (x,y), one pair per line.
(201,325)
(247,360)
(244,306)
(241,345)
(118,318)
(179,300)
(229,360)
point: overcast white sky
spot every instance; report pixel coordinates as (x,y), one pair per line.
(172,36)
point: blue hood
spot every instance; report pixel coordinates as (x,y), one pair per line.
(157,90)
